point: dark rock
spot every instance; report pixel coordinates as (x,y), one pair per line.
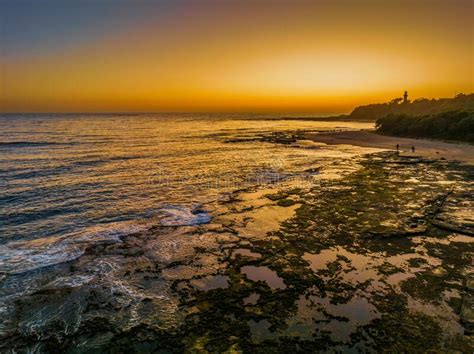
(467,312)
(286,202)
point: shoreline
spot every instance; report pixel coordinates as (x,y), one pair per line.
(423,148)
(343,263)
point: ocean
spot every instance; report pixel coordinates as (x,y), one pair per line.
(167,231)
(92,175)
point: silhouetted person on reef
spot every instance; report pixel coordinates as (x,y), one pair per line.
(412,149)
(398,149)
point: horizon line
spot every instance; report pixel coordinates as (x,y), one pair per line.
(319,115)
(180,112)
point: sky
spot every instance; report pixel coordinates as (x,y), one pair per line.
(322,57)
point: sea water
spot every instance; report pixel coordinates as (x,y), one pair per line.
(66,180)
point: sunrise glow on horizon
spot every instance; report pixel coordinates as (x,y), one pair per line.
(286,56)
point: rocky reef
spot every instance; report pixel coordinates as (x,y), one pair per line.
(377,257)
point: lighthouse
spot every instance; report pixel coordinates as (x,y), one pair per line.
(405,97)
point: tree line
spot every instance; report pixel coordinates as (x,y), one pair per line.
(452,125)
(418,107)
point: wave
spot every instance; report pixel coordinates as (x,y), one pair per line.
(17,257)
(30,143)
(24,256)
(178,215)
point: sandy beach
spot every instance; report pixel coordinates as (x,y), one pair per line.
(423,147)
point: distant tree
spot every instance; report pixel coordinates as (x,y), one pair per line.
(397,100)
(451,125)
(418,107)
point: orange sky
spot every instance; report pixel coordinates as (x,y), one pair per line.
(310,56)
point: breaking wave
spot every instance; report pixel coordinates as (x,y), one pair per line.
(24,256)
(177,215)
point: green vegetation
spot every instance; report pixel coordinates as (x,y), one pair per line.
(418,107)
(454,125)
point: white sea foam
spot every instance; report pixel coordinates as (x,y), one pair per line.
(176,215)
(24,256)
(20,257)
(72,281)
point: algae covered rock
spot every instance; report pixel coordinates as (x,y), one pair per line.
(285,202)
(467,312)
